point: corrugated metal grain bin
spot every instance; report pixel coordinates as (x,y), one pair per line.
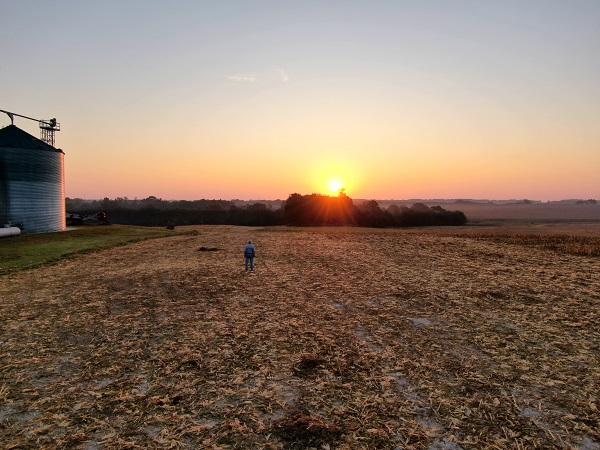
(32,188)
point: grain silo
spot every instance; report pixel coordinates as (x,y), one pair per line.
(32,188)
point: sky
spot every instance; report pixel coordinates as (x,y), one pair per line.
(405,99)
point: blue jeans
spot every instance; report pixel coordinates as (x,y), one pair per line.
(251,259)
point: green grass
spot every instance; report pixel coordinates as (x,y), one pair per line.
(28,251)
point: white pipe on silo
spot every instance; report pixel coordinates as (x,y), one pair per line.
(9,231)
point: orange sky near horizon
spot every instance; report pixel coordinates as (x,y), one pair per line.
(258,100)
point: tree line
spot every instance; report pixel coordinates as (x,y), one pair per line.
(153,211)
(297,210)
(318,210)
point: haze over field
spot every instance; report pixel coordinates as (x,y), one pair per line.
(257,100)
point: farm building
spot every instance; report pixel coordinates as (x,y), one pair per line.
(32,188)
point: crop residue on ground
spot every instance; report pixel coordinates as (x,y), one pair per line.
(342,338)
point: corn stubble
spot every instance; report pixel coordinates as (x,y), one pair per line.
(342,338)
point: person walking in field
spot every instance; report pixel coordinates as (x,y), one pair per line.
(250,253)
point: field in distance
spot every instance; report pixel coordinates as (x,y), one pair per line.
(554,211)
(345,338)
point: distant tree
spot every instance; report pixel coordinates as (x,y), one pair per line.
(294,209)
(420,207)
(257,207)
(373,216)
(394,210)
(317,210)
(420,214)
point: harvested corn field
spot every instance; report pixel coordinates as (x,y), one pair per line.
(342,338)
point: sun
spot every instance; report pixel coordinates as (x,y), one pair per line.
(334,185)
(333,176)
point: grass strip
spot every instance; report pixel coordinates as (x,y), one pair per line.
(27,251)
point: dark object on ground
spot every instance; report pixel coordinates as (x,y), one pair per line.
(208,249)
(301,430)
(74,218)
(307,366)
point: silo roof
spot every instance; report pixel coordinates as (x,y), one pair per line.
(13,136)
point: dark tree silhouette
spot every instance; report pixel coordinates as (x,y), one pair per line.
(318,210)
(372,215)
(299,210)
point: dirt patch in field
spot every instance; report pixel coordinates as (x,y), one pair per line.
(341,338)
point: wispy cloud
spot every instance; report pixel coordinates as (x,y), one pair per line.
(251,77)
(283,75)
(244,77)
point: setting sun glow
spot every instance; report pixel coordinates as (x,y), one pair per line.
(335,185)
